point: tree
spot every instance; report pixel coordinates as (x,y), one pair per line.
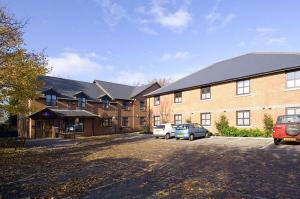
(161,81)
(165,110)
(19,68)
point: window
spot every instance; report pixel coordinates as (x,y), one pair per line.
(142,105)
(75,125)
(243,87)
(156,120)
(243,118)
(178,97)
(142,121)
(125,121)
(205,93)
(51,100)
(293,79)
(81,102)
(126,105)
(205,119)
(178,119)
(107,122)
(105,103)
(156,101)
(293,111)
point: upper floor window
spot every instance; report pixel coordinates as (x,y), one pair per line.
(243,118)
(105,103)
(81,102)
(178,119)
(293,79)
(126,105)
(205,93)
(156,120)
(142,105)
(243,87)
(51,100)
(178,97)
(205,119)
(156,101)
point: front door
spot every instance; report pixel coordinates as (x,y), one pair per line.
(38,129)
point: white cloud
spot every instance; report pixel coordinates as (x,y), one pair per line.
(267,36)
(148,30)
(130,77)
(216,20)
(75,66)
(175,56)
(113,12)
(177,20)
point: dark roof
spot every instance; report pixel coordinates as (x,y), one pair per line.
(121,91)
(46,112)
(69,88)
(251,64)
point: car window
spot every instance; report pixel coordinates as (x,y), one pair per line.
(288,119)
(159,127)
(182,126)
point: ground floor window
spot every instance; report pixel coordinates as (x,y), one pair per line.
(178,119)
(243,118)
(125,121)
(156,120)
(142,121)
(107,122)
(75,125)
(205,119)
(293,110)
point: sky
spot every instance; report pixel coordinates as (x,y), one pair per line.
(134,41)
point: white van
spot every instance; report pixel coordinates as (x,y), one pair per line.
(164,130)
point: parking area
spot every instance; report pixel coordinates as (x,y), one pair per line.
(140,166)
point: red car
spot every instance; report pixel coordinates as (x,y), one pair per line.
(287,128)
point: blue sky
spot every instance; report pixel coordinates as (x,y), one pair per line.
(135,41)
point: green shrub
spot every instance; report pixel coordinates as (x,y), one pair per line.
(225,130)
(146,130)
(268,125)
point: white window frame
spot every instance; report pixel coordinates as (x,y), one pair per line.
(205,93)
(156,120)
(241,119)
(293,79)
(243,87)
(177,119)
(295,110)
(156,101)
(205,119)
(178,97)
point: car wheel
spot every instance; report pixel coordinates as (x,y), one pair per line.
(156,137)
(206,135)
(177,138)
(277,141)
(167,136)
(191,137)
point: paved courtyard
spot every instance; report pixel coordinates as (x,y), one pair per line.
(139,166)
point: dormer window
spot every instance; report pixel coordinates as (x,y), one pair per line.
(105,103)
(81,102)
(51,100)
(126,105)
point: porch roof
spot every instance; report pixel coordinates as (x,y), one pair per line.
(61,113)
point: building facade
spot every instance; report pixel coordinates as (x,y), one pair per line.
(89,108)
(244,89)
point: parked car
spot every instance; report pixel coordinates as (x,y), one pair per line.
(190,131)
(164,130)
(287,128)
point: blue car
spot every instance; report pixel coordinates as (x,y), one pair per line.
(190,131)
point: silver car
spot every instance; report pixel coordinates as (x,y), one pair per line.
(190,131)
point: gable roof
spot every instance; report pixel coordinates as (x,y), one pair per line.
(121,91)
(252,64)
(69,88)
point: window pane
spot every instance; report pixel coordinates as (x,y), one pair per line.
(246,90)
(247,83)
(208,116)
(240,114)
(290,83)
(240,91)
(240,84)
(246,122)
(240,122)
(208,95)
(290,76)
(246,114)
(297,83)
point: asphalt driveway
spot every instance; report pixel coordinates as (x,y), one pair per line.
(139,166)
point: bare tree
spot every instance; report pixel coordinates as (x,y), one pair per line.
(161,81)
(165,110)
